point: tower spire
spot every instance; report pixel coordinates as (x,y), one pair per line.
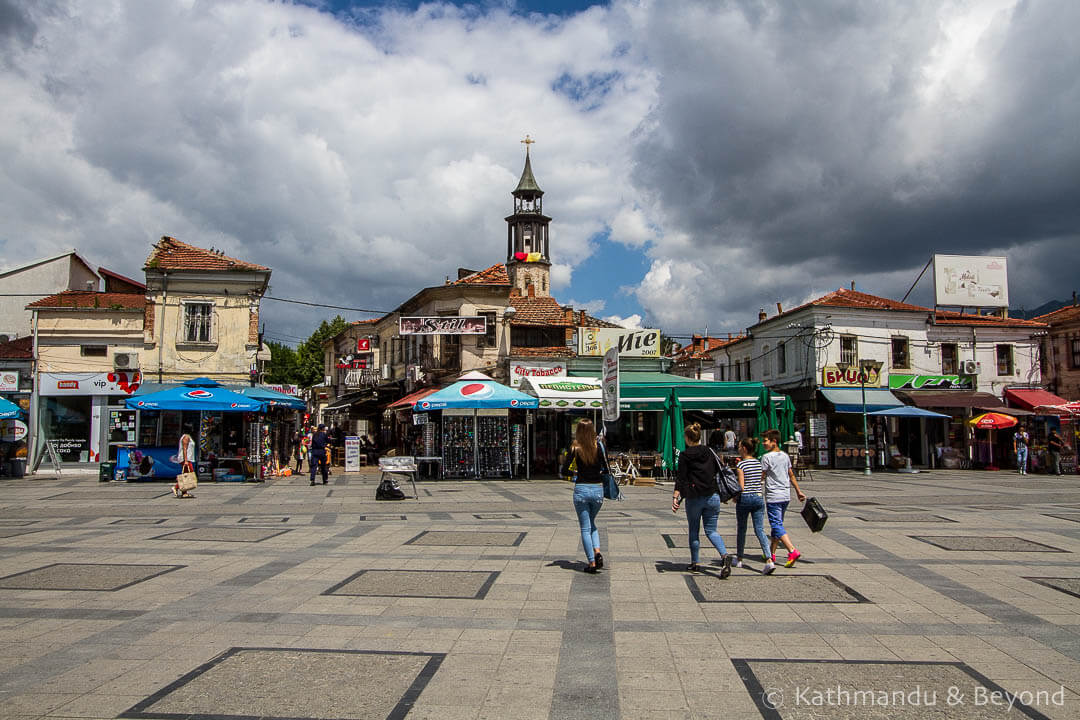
(527,259)
(527,183)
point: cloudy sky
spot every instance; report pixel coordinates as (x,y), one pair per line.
(700,159)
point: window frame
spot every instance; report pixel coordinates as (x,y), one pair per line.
(766,361)
(955,369)
(99,351)
(1074,352)
(853,352)
(906,362)
(1009,357)
(781,359)
(206,319)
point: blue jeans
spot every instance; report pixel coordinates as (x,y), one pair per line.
(1021,458)
(317,461)
(753,505)
(776,512)
(587,501)
(705,509)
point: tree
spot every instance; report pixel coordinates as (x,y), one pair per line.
(284,366)
(310,352)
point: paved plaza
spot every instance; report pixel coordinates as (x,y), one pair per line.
(947,594)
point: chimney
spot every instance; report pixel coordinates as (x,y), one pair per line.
(532,290)
(779,309)
(1074,298)
(581,314)
(568,315)
(761,315)
(729,337)
(852,284)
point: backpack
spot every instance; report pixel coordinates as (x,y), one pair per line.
(726,480)
(388,490)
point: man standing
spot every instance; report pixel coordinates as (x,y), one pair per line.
(320,441)
(1055,444)
(1020,447)
(729,440)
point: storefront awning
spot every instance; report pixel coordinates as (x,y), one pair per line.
(907,411)
(1041,402)
(564,393)
(347,400)
(951,399)
(407,402)
(850,400)
(649,391)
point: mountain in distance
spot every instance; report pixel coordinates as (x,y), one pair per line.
(1046,307)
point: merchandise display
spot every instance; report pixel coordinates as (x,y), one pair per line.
(493,446)
(459,446)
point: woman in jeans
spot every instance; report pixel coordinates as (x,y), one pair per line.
(751,502)
(695,482)
(588,489)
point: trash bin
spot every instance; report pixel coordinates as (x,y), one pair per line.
(17,467)
(105,471)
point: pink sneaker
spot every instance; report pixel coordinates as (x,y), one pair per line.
(792,557)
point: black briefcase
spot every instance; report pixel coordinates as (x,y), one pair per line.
(814,515)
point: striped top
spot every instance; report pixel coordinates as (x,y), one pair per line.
(751,470)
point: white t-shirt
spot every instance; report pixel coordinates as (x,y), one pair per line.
(190,450)
(729,440)
(798,439)
(777,485)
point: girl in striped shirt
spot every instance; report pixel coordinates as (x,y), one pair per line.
(751,502)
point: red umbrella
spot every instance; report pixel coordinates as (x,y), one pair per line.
(993,421)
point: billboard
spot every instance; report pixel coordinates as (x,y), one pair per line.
(443,325)
(596,342)
(971,281)
(535,369)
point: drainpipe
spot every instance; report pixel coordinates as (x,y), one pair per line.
(34,445)
(161,325)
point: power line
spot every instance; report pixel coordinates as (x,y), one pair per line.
(324,305)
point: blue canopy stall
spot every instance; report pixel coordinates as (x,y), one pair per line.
(9,409)
(477,436)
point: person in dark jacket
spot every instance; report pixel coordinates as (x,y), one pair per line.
(695,482)
(588,488)
(317,458)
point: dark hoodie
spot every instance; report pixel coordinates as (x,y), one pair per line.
(696,476)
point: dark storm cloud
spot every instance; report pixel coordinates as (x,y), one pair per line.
(863,136)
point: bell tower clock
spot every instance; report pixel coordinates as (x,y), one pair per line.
(528,263)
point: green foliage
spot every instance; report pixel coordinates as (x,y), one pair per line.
(284,364)
(304,365)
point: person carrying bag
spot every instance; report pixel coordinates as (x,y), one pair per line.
(187,480)
(587,453)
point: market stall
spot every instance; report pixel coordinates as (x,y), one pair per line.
(200,405)
(478,437)
(13,433)
(562,401)
(902,448)
(1050,412)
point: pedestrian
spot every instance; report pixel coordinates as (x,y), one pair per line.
(1020,447)
(695,480)
(751,503)
(779,479)
(317,458)
(298,451)
(1055,445)
(591,462)
(729,440)
(185,457)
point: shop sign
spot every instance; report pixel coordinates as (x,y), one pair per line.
(12,430)
(595,342)
(291,390)
(9,381)
(112,383)
(352,453)
(535,369)
(832,377)
(609,385)
(931,382)
(819,426)
(363,344)
(442,325)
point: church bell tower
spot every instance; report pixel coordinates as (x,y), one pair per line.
(527,260)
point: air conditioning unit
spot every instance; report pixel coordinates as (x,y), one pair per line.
(125,361)
(970,367)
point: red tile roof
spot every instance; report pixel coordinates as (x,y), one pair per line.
(538,311)
(1069,312)
(18,349)
(845,298)
(122,280)
(700,348)
(494,275)
(943,317)
(87,300)
(555,351)
(171,254)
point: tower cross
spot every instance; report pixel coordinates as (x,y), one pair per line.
(527,142)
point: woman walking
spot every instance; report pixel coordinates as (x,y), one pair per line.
(751,503)
(588,489)
(696,482)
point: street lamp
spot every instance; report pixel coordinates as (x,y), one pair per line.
(865,368)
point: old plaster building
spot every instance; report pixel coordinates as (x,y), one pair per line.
(1061,351)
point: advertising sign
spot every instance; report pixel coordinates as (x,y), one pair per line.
(535,369)
(931,382)
(609,384)
(442,325)
(352,453)
(9,381)
(971,280)
(832,377)
(112,383)
(363,344)
(12,430)
(595,342)
(291,390)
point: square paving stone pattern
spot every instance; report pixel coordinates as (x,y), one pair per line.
(89,576)
(1069,586)
(16,523)
(746,588)
(382,518)
(110,495)
(984,543)
(814,689)
(264,519)
(223,534)
(458,584)
(1070,518)
(907,518)
(468,538)
(496,516)
(302,684)
(15,532)
(139,521)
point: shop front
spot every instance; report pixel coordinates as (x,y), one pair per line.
(562,402)
(1050,413)
(845,422)
(82,416)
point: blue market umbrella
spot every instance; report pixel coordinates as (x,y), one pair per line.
(9,409)
(477,393)
(198,394)
(273,397)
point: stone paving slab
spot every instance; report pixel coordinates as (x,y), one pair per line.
(84,576)
(139,521)
(382,517)
(480,538)
(822,688)
(15,523)
(256,519)
(496,516)
(985,543)
(7,533)
(222,534)
(907,518)
(301,684)
(122,494)
(753,588)
(460,584)
(1069,586)
(1065,516)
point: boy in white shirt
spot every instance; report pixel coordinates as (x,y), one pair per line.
(779,478)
